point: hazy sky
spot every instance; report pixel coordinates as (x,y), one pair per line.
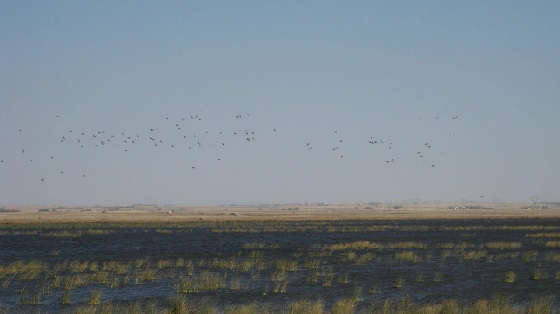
(307,68)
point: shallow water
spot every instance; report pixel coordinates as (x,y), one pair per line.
(439,273)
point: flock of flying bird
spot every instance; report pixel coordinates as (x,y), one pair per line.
(152,136)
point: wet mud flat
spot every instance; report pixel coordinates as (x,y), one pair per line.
(60,267)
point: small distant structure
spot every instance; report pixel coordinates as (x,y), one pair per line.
(457,207)
(170,212)
(8,210)
(145,207)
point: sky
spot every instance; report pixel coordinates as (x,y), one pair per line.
(396,71)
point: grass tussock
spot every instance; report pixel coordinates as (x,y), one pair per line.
(286,265)
(65,298)
(552,244)
(356,258)
(542,305)
(305,307)
(538,274)
(509,277)
(502,245)
(94,298)
(407,256)
(495,305)
(180,305)
(474,255)
(205,281)
(407,245)
(260,245)
(344,306)
(22,268)
(246,309)
(543,235)
(33,298)
(438,277)
(398,283)
(456,246)
(356,245)
(529,256)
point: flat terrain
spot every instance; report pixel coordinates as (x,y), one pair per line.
(294,212)
(280,260)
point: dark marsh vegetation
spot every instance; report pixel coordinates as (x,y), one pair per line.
(381,266)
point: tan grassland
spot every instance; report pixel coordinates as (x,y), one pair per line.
(284,212)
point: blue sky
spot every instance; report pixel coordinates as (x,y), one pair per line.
(306,68)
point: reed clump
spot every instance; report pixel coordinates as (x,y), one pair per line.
(509,277)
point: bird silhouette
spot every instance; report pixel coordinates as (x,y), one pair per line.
(97,140)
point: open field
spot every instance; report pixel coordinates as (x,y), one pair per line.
(289,212)
(191,262)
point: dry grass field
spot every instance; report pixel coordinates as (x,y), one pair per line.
(288,212)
